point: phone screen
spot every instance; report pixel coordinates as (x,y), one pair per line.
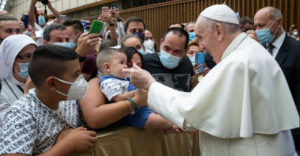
(104,9)
(96,27)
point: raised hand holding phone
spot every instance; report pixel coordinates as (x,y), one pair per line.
(25,20)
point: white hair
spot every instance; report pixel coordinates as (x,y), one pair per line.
(275,13)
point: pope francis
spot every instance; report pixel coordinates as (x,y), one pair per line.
(242,107)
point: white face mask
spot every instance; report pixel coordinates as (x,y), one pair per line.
(149,44)
(77,90)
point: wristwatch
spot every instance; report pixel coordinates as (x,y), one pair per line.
(134,107)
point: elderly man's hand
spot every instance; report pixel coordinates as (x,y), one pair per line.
(140,78)
(140,97)
(86,43)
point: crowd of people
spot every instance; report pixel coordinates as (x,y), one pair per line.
(59,82)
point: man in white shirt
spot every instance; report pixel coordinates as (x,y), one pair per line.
(241,107)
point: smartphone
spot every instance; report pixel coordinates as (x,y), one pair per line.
(104,9)
(96,27)
(200,59)
(25,19)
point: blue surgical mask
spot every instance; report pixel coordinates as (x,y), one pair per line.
(264,35)
(23,70)
(41,20)
(193,60)
(141,36)
(142,51)
(169,61)
(70,44)
(192,36)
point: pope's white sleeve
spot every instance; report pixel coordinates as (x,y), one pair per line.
(162,105)
(214,106)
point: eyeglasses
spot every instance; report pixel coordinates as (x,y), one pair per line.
(23,57)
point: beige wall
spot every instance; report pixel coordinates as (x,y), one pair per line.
(20,7)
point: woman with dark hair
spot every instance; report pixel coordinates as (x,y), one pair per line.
(133,56)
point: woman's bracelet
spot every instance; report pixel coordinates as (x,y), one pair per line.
(133,105)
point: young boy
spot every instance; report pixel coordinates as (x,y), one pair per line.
(38,123)
(116,87)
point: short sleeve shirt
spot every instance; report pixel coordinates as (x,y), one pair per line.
(30,127)
(112,86)
(178,78)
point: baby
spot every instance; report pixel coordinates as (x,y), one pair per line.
(117,87)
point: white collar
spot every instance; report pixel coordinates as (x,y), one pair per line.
(278,42)
(233,45)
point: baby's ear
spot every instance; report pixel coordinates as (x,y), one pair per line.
(106,67)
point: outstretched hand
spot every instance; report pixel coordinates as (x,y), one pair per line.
(141,97)
(140,78)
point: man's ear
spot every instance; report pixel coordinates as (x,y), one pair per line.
(280,23)
(220,31)
(185,51)
(106,67)
(45,42)
(77,37)
(49,83)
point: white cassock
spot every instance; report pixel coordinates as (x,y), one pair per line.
(242,107)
